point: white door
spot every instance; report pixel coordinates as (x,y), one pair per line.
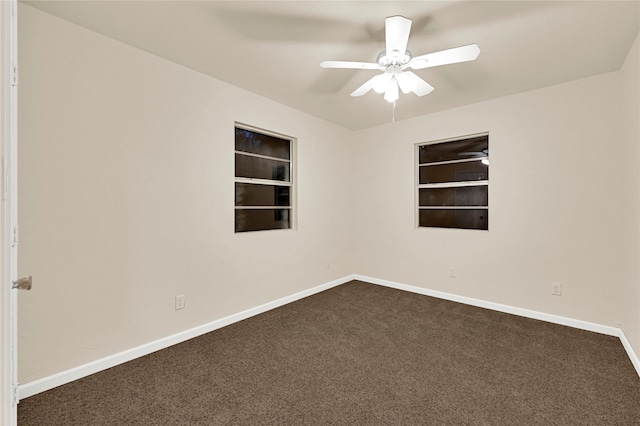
(10,210)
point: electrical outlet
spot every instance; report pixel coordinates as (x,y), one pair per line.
(452,272)
(180,302)
(556,289)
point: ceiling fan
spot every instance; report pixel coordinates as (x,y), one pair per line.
(395,60)
(484,155)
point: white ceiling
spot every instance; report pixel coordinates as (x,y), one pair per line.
(274,48)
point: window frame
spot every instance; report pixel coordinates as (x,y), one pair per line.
(448,184)
(291,183)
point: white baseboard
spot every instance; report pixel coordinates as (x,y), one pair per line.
(58,379)
(50,382)
(556,319)
(632,355)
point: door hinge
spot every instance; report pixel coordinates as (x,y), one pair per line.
(14,236)
(14,75)
(4,182)
(16,396)
(24,283)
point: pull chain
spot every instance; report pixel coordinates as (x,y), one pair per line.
(393,114)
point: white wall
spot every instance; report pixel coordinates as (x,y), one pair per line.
(631,113)
(126,199)
(563,205)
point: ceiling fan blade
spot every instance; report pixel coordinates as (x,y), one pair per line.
(409,82)
(406,81)
(483,153)
(397,29)
(444,57)
(350,65)
(422,87)
(368,85)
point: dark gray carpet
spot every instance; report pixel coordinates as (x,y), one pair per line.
(361,354)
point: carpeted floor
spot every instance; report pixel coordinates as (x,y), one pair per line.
(361,354)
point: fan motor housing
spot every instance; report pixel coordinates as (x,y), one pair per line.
(395,58)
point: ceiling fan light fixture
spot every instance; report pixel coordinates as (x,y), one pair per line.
(381,82)
(391,94)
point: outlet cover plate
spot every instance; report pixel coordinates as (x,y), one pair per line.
(180,302)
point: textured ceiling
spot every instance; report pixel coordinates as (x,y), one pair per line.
(274,48)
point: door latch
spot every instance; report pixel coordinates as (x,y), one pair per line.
(23,283)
